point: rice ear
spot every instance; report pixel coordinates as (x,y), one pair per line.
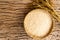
(47,5)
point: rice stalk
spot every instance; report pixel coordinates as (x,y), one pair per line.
(47,5)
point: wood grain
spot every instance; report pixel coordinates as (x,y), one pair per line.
(12,13)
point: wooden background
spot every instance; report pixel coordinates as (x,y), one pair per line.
(12,13)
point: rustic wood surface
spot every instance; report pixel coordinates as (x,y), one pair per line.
(12,13)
